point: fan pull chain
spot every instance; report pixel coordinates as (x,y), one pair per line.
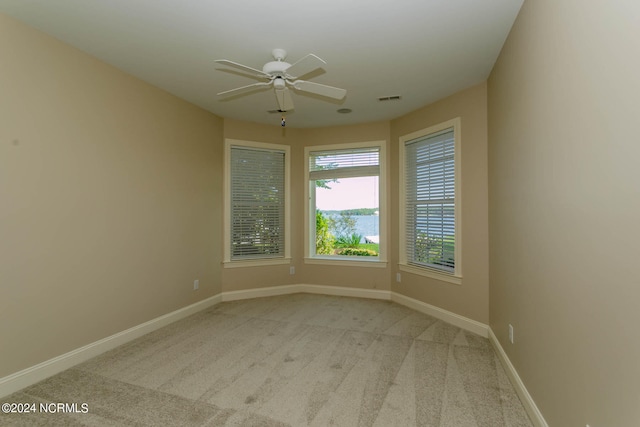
(283,122)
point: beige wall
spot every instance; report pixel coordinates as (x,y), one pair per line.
(332,275)
(112,201)
(243,278)
(471,298)
(235,279)
(109,199)
(565,204)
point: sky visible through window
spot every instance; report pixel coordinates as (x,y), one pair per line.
(348,193)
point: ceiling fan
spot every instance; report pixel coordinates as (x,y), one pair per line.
(282,75)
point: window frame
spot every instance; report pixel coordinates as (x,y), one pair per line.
(310,256)
(252,262)
(454,277)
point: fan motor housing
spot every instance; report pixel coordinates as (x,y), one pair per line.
(275,68)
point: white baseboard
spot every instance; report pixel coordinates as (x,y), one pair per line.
(527,401)
(26,377)
(346,292)
(444,315)
(271,291)
(310,289)
(41,371)
(439,313)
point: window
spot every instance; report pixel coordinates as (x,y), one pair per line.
(429,229)
(257,202)
(346,209)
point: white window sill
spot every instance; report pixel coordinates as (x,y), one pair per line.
(347,261)
(256,262)
(432,273)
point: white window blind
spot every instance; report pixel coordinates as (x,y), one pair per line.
(257,203)
(345,163)
(430,201)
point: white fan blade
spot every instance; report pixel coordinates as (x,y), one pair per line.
(284,99)
(243,89)
(304,66)
(318,89)
(260,73)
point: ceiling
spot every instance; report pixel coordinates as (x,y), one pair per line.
(421,50)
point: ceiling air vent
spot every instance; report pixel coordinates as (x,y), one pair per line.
(390,98)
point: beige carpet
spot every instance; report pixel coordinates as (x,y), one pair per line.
(295,360)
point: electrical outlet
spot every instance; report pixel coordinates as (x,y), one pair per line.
(511,333)
(398,277)
(196,285)
(292,270)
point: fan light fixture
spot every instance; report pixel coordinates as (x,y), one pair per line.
(279,83)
